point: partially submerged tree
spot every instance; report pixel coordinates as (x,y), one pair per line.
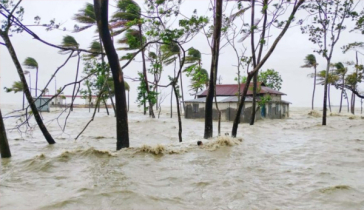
(325,30)
(295,6)
(31,63)
(4,144)
(16,87)
(310,62)
(208,132)
(122,129)
(4,34)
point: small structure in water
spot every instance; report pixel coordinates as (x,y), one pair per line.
(227,99)
(42,104)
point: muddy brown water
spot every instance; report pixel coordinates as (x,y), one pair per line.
(293,163)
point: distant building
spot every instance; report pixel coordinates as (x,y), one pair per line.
(227,100)
(61,101)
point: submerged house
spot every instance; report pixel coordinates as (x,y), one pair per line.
(227,100)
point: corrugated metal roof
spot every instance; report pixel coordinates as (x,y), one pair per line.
(220,99)
(233,89)
(230,99)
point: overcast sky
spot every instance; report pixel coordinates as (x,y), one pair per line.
(286,59)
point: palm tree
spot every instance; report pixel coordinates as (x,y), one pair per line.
(331,80)
(199,75)
(16,87)
(85,16)
(310,62)
(170,54)
(128,11)
(70,42)
(127,87)
(341,71)
(31,63)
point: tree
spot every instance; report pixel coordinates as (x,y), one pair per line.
(86,16)
(170,53)
(325,31)
(213,69)
(122,129)
(260,62)
(31,63)
(310,62)
(4,145)
(129,13)
(16,87)
(199,76)
(341,71)
(4,34)
(271,78)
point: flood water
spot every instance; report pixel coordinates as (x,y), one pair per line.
(292,163)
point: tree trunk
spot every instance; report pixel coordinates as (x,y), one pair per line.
(36,83)
(180,76)
(144,105)
(74,86)
(171,102)
(112,103)
(5,149)
(219,116)
(213,70)
(352,107)
(128,100)
(255,81)
(145,73)
(255,78)
(241,105)
(122,130)
(259,65)
(347,102)
(23,101)
(178,114)
(314,87)
(325,93)
(328,96)
(342,93)
(32,105)
(107,110)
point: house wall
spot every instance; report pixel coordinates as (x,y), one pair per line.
(272,110)
(273,97)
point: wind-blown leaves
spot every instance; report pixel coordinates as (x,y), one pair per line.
(16,87)
(85,16)
(69,42)
(310,61)
(127,10)
(30,63)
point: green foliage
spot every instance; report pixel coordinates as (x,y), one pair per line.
(143,97)
(270,78)
(85,16)
(17,86)
(199,77)
(132,39)
(328,18)
(69,42)
(95,83)
(310,61)
(127,10)
(30,63)
(264,100)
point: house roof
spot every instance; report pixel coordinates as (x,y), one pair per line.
(220,99)
(233,89)
(229,99)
